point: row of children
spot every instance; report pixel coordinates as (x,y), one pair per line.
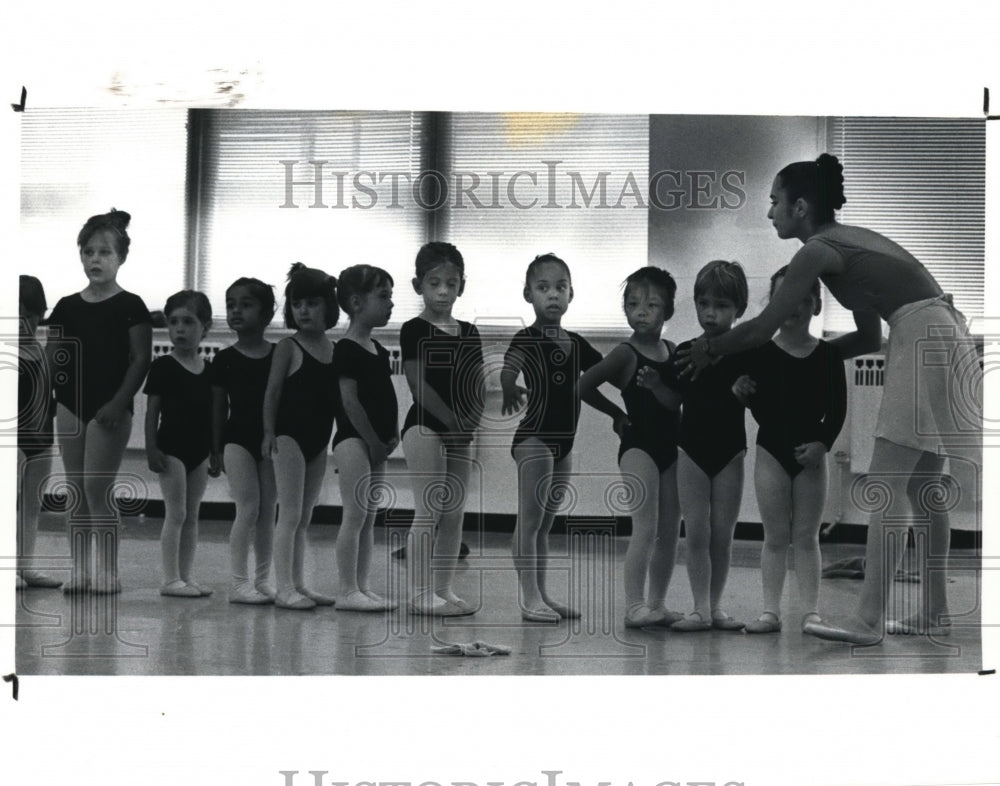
(265,414)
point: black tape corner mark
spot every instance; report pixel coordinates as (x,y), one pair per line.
(986,105)
(987,672)
(12,678)
(24,98)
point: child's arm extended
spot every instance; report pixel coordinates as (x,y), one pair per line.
(282,361)
(615,368)
(378,451)
(155,458)
(140,353)
(513,394)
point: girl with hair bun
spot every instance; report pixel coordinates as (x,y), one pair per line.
(298,421)
(99,348)
(922,417)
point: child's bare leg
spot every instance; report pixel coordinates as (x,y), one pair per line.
(534,472)
(33,472)
(727,494)
(102,459)
(562,476)
(640,472)
(314,474)
(694,488)
(196,482)
(355,474)
(448,542)
(290,478)
(241,474)
(664,556)
(73,442)
(264,527)
(774,498)
(366,543)
(173,486)
(808,500)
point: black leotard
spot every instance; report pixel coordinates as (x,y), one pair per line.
(713,427)
(244,380)
(452,365)
(372,372)
(92,353)
(552,378)
(652,427)
(35,404)
(797,400)
(185,410)
(306,407)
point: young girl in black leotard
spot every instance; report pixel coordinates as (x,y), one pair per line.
(551,360)
(178,427)
(648,453)
(367,429)
(443,363)
(239,379)
(35,433)
(796,390)
(298,420)
(712,446)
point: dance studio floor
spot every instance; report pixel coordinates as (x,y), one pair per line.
(142,633)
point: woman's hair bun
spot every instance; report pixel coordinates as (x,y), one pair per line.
(831,177)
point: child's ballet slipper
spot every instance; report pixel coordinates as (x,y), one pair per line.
(294,601)
(244,593)
(316,597)
(693,623)
(564,611)
(180,589)
(540,614)
(767,622)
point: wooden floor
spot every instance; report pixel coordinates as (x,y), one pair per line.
(141,633)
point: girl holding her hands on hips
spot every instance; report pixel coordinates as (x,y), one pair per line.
(920,416)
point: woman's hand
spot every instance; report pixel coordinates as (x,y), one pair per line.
(695,359)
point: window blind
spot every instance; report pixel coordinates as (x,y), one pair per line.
(263,203)
(76,163)
(921,182)
(526,184)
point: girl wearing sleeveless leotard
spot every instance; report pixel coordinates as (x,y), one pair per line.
(647,456)
(298,420)
(178,437)
(367,430)
(239,381)
(796,391)
(712,446)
